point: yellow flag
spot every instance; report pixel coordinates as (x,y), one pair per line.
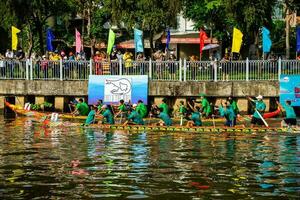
(14,37)
(236,40)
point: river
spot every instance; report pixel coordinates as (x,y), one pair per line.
(77,163)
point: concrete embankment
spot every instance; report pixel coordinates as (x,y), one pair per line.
(60,92)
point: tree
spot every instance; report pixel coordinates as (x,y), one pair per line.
(210,15)
(290,7)
(222,15)
(35,14)
(152,16)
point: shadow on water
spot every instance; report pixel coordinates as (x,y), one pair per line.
(84,163)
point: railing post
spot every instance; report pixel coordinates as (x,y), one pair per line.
(120,67)
(91,67)
(150,68)
(60,70)
(180,70)
(215,67)
(184,69)
(279,68)
(247,69)
(31,68)
(27,69)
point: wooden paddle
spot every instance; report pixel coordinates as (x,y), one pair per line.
(264,121)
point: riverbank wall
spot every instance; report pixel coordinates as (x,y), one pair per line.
(61,92)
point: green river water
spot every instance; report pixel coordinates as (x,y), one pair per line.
(77,163)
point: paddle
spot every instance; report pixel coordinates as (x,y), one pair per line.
(213,117)
(181,120)
(264,121)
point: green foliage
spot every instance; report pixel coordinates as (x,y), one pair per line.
(40,106)
(151,16)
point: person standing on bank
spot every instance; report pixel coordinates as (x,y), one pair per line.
(260,108)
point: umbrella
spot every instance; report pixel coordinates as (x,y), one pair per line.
(210,46)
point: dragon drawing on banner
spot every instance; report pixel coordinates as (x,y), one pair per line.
(120,86)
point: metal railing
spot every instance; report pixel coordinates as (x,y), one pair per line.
(182,70)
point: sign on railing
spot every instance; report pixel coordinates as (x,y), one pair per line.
(182,70)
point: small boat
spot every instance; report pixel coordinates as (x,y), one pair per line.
(272,114)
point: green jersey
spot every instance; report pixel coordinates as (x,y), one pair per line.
(165,108)
(91,117)
(290,112)
(136,118)
(142,109)
(122,108)
(83,108)
(206,107)
(235,107)
(196,118)
(165,117)
(260,107)
(108,116)
(182,109)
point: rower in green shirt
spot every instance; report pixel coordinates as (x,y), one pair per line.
(141,109)
(81,108)
(182,109)
(227,112)
(260,108)
(107,114)
(99,105)
(122,109)
(206,108)
(196,116)
(165,118)
(164,106)
(291,117)
(234,107)
(91,116)
(134,117)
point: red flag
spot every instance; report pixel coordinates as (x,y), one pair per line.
(78,42)
(203,37)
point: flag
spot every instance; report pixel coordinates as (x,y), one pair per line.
(266,40)
(237,40)
(14,37)
(138,40)
(78,42)
(49,37)
(298,39)
(202,37)
(111,41)
(168,39)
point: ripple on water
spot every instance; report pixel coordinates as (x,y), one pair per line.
(65,163)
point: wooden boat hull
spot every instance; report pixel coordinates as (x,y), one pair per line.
(208,129)
(20,111)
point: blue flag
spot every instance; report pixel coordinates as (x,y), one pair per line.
(49,37)
(298,39)
(138,40)
(266,40)
(168,39)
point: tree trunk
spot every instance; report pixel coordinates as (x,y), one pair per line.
(287,34)
(151,44)
(30,42)
(93,43)
(256,39)
(39,28)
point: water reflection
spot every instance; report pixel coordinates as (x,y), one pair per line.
(85,163)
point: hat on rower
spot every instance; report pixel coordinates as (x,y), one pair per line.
(202,95)
(104,106)
(134,105)
(259,97)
